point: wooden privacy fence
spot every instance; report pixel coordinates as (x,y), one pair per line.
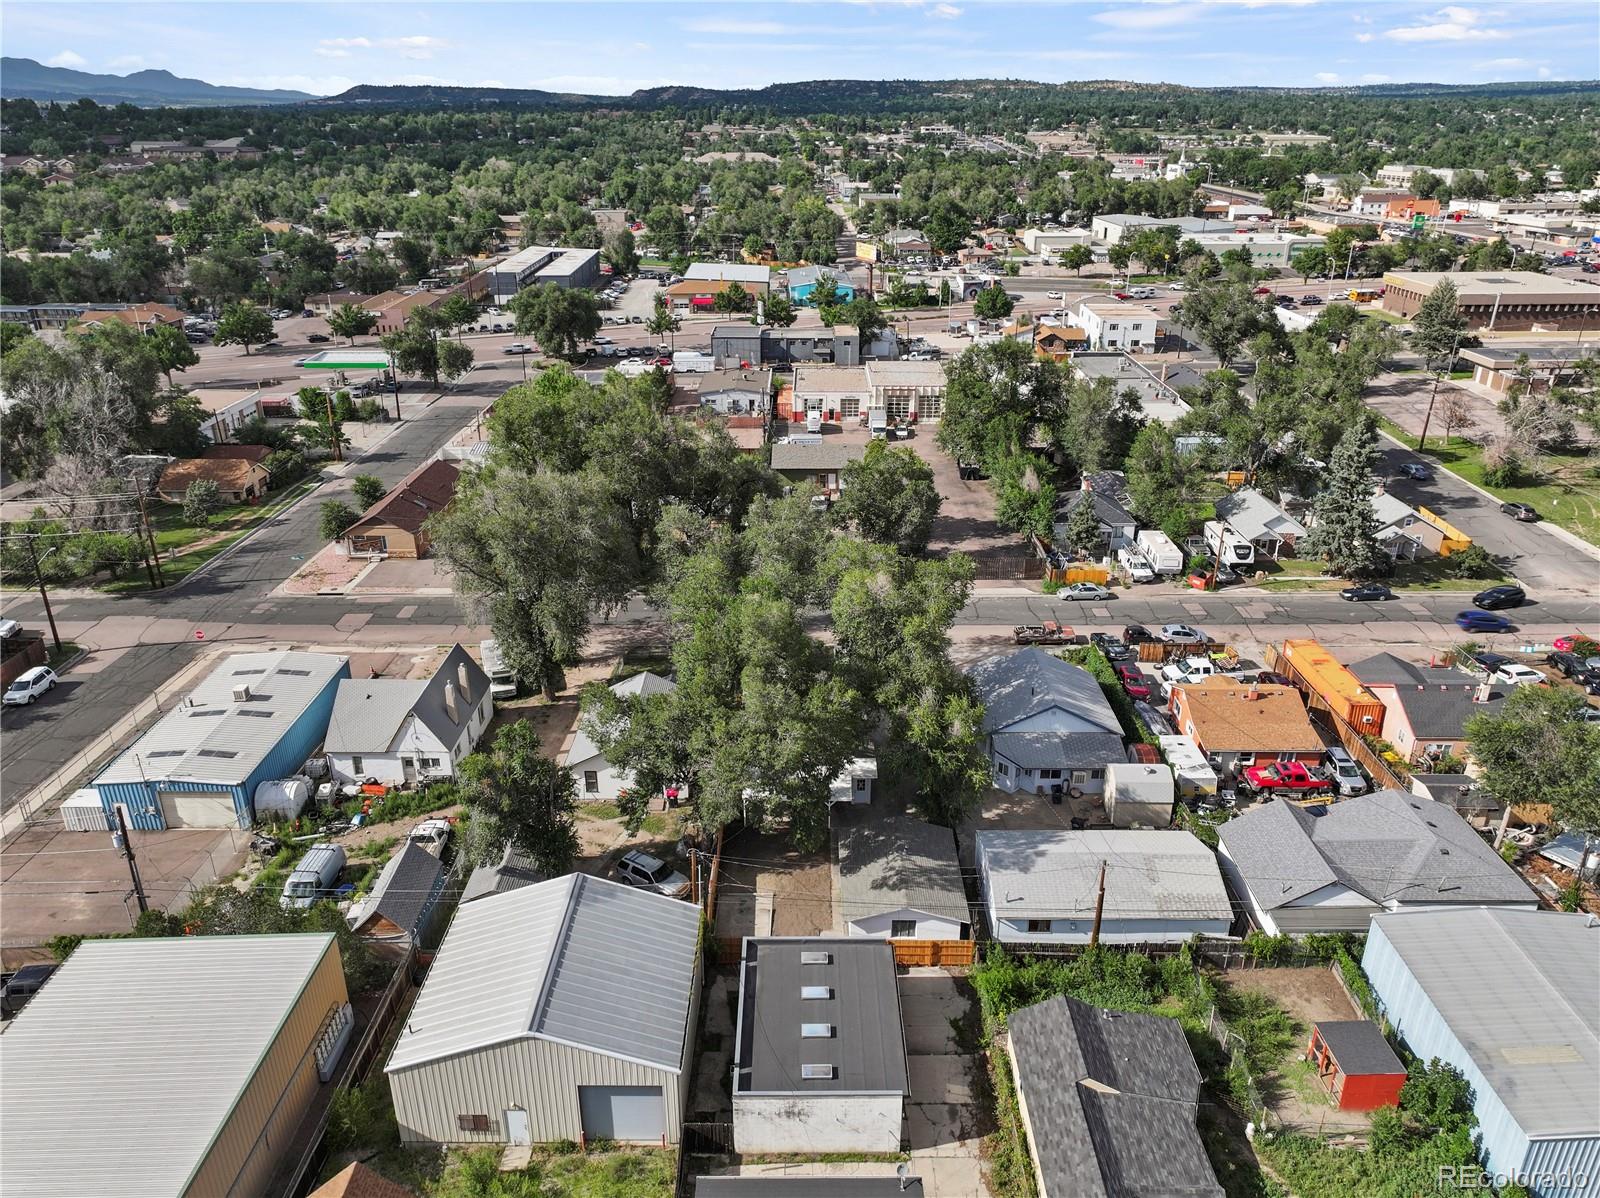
(1383,775)
(939,953)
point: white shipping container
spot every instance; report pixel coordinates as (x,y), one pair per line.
(83,812)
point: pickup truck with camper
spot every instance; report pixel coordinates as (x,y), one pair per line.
(1134,565)
(1159,551)
(1048,633)
(502,682)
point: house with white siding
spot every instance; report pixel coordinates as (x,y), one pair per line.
(898,876)
(564,1010)
(598,780)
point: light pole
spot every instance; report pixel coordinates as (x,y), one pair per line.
(38,575)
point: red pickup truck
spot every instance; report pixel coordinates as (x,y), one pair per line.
(1288,776)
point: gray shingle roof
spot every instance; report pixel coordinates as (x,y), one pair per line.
(896,862)
(1111,1099)
(1389,847)
(1014,686)
(1048,750)
(828,454)
(1517,991)
(405,891)
(1358,1046)
(1165,874)
(1437,702)
(368,712)
(634,686)
(513,871)
(1107,510)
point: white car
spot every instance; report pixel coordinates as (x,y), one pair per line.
(517,347)
(1174,286)
(1083,590)
(29,685)
(1055,295)
(1182,634)
(602,340)
(1517,674)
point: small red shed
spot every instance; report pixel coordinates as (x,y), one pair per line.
(1356,1064)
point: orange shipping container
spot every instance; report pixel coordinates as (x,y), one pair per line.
(1341,690)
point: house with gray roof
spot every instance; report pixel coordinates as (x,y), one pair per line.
(1426,708)
(1042,887)
(1109,1101)
(1301,872)
(564,1010)
(819,1056)
(598,780)
(1260,521)
(1116,523)
(401,731)
(737,392)
(898,877)
(513,871)
(819,461)
(1512,1000)
(1048,726)
(403,901)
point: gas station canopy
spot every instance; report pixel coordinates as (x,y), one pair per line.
(348,359)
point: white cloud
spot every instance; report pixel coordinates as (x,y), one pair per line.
(68,59)
(1364,37)
(1327,77)
(1544,72)
(1149,16)
(948,12)
(331,52)
(1450,24)
(414,46)
(348,43)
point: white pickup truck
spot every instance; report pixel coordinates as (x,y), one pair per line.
(1188,669)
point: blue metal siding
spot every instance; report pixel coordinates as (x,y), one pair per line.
(1573,1167)
(303,736)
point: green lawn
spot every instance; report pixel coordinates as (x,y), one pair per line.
(1569,494)
(57,656)
(1380,314)
(1429,574)
(657,823)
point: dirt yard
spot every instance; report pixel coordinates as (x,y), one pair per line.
(770,888)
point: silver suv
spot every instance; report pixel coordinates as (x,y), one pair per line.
(638,868)
(1345,774)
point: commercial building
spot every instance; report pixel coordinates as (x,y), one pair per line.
(1508,998)
(819,1058)
(1301,872)
(1503,299)
(1109,1101)
(1540,367)
(1114,324)
(753,277)
(1266,249)
(899,877)
(835,393)
(543,264)
(742,345)
(907,390)
(255,718)
(564,1010)
(803,280)
(1048,727)
(1054,241)
(180,1066)
(1112,227)
(1043,887)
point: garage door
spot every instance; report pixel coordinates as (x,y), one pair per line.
(198,809)
(622,1112)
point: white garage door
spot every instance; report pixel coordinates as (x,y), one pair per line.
(622,1112)
(198,809)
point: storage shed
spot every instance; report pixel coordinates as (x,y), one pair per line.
(1138,795)
(1356,1064)
(82,811)
(170,1068)
(564,1010)
(255,716)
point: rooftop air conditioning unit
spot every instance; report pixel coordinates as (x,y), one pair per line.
(241,693)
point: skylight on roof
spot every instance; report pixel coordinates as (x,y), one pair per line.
(217,753)
(817,1073)
(816,991)
(816,1031)
(816,958)
(296,673)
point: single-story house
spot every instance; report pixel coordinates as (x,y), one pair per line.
(1058,342)
(238,480)
(403,901)
(1047,724)
(513,871)
(565,1010)
(803,281)
(1300,872)
(820,463)
(1260,521)
(1508,998)
(1426,708)
(898,877)
(408,730)
(836,393)
(1139,794)
(1109,1101)
(905,241)
(819,1053)
(598,780)
(255,718)
(1237,724)
(395,525)
(1116,524)
(1399,526)
(737,392)
(1041,887)
(206,1052)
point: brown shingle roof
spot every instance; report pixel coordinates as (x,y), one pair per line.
(426,490)
(230,474)
(358,1181)
(1225,720)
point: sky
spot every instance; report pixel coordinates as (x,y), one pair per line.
(616,46)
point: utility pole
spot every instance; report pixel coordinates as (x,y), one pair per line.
(158,577)
(333,427)
(122,841)
(38,575)
(1099,907)
(694,878)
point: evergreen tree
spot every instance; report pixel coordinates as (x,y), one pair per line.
(1083,526)
(1345,529)
(1438,326)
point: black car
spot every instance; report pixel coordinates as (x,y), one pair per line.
(1590,681)
(1310,301)
(1495,598)
(1568,665)
(1488,663)
(317,338)
(1366,592)
(1109,645)
(1137,634)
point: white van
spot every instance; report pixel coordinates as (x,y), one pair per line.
(315,878)
(688,361)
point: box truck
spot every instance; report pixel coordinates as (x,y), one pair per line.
(1229,547)
(1157,549)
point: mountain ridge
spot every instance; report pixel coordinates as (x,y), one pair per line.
(25,78)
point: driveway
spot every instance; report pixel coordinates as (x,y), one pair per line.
(965,523)
(945,1117)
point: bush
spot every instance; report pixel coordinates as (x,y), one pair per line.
(1268,950)
(1473,562)
(368,489)
(334,519)
(344,408)
(200,502)
(370,410)
(1503,474)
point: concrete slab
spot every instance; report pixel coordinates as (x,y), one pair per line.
(941,1079)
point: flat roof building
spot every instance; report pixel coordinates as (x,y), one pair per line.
(1500,299)
(538,264)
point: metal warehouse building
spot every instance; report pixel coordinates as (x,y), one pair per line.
(176,1068)
(1512,999)
(561,1011)
(543,264)
(256,717)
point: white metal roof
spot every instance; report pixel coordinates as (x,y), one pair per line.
(127,1063)
(211,737)
(579,960)
(1520,990)
(733,272)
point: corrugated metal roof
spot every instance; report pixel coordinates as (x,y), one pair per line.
(1165,874)
(122,1069)
(211,738)
(1518,991)
(582,960)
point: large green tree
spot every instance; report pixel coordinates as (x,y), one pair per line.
(993,303)
(560,319)
(243,324)
(417,349)
(1344,526)
(1538,749)
(1225,314)
(516,795)
(890,497)
(350,321)
(170,347)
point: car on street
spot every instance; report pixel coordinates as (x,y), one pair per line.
(1084,590)
(29,685)
(1283,776)
(1182,634)
(1568,642)
(1137,634)
(1417,471)
(1055,295)
(1310,301)
(1482,621)
(317,338)
(1262,291)
(1520,511)
(1366,592)
(517,347)
(638,868)
(1517,674)
(1175,286)
(1122,295)
(1495,598)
